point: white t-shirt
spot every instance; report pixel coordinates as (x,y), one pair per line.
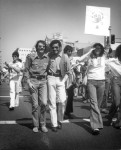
(96,68)
(13,73)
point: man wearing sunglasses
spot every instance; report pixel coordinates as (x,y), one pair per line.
(36,75)
(58,71)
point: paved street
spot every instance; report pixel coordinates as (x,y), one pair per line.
(16,129)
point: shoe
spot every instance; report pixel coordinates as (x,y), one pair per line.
(44,129)
(11,108)
(59,125)
(54,129)
(35,129)
(95,131)
(117,125)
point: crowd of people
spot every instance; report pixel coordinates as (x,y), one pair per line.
(54,79)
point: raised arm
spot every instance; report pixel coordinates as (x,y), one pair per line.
(83,58)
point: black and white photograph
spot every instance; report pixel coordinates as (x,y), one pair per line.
(60,74)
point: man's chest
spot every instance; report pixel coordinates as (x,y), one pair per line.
(55,62)
(39,63)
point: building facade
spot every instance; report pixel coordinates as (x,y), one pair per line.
(23,52)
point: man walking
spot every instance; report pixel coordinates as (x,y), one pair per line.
(14,70)
(58,71)
(36,74)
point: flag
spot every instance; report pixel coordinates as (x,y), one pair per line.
(97,20)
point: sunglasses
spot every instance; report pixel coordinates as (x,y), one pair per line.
(41,46)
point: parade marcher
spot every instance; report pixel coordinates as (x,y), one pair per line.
(36,75)
(58,71)
(69,85)
(95,84)
(14,69)
(115,67)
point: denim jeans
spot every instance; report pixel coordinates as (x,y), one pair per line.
(39,98)
(116,87)
(96,91)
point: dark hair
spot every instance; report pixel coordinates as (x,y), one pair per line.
(55,42)
(102,49)
(40,41)
(15,53)
(68,47)
(118,52)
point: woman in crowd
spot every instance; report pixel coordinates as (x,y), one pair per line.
(96,83)
(96,86)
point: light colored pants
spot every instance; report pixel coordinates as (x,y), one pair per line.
(14,93)
(39,98)
(20,85)
(96,91)
(57,97)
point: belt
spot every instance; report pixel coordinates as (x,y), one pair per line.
(39,77)
(54,74)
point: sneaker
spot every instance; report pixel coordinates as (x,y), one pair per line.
(11,108)
(35,129)
(117,125)
(44,129)
(95,131)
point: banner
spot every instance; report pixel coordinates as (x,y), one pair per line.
(97,20)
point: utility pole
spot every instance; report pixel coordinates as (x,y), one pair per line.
(109,35)
(107,39)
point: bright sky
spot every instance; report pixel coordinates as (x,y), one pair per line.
(23,22)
